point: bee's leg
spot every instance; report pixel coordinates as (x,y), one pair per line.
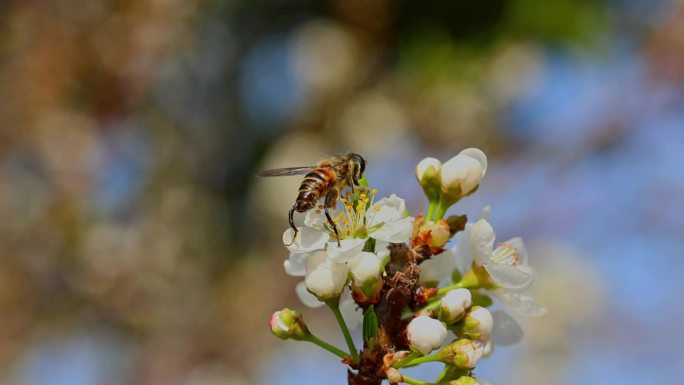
(290,216)
(352,185)
(330,200)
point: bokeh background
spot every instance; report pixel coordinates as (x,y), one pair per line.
(137,247)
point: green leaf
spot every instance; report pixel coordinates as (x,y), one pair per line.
(370,327)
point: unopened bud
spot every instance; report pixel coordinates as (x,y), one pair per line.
(478,323)
(462,353)
(393,376)
(462,174)
(427,173)
(434,234)
(288,324)
(325,278)
(453,305)
(425,334)
(366,270)
(464,380)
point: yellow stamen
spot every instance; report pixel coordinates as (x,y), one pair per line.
(374,191)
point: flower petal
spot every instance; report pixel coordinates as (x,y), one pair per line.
(381,249)
(461,172)
(315,219)
(506,330)
(478,155)
(386,210)
(521,303)
(510,277)
(307,240)
(307,298)
(463,251)
(482,241)
(438,267)
(348,249)
(398,231)
(294,267)
(518,244)
(365,266)
(325,278)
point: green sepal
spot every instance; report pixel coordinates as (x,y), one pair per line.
(369,245)
(370,327)
(456,276)
(451,373)
(481,299)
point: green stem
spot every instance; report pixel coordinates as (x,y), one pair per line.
(420,360)
(413,381)
(446,289)
(431,209)
(442,207)
(332,349)
(400,363)
(334,305)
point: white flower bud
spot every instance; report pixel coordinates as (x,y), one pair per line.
(425,334)
(366,266)
(454,304)
(427,173)
(461,174)
(324,278)
(462,353)
(366,270)
(287,324)
(478,323)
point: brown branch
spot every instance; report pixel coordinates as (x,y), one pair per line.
(402,272)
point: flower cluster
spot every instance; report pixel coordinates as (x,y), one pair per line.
(412,281)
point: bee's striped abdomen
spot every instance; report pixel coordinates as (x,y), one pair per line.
(315,185)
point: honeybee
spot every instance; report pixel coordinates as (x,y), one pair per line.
(324,180)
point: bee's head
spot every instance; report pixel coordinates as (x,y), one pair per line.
(359,165)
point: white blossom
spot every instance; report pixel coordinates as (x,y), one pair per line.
(454,305)
(479,323)
(427,168)
(463,353)
(427,173)
(365,267)
(356,222)
(461,174)
(325,278)
(507,267)
(437,268)
(425,334)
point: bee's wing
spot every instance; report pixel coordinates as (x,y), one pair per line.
(286,171)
